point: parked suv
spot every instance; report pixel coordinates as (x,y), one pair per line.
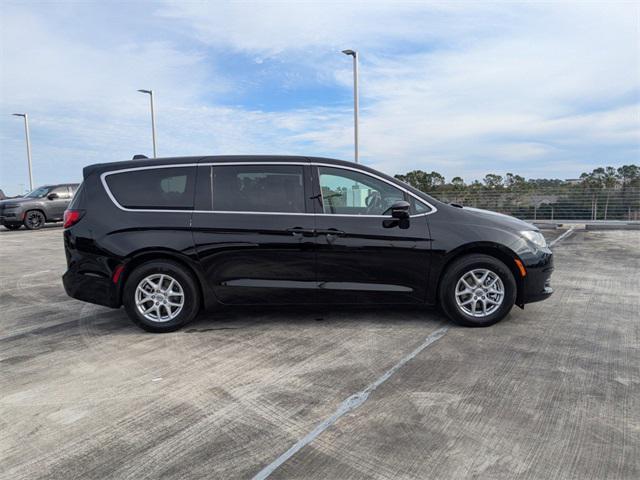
(166,237)
(42,205)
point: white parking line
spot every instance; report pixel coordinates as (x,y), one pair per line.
(561,237)
(351,403)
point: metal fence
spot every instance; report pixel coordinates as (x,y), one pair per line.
(558,204)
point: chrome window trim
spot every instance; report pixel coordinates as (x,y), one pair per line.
(104,175)
(103,179)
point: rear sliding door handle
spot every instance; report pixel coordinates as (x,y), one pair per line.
(299,231)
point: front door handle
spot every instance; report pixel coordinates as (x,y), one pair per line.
(331,232)
(299,231)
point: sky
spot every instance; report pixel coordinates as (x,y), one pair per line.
(541,89)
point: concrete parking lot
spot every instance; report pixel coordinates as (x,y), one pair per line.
(551,392)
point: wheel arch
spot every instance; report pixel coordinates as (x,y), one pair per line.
(35,209)
(496,250)
(138,258)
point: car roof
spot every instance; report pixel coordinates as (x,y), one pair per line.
(100,168)
(150,162)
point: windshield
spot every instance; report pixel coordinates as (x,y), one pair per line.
(37,193)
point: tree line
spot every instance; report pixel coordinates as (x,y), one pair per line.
(606,193)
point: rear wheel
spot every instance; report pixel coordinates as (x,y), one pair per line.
(477,291)
(12,226)
(34,219)
(161,296)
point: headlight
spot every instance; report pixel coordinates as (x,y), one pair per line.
(11,205)
(534,237)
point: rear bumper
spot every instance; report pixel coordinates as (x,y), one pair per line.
(91,288)
(88,275)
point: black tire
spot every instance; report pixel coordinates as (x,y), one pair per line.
(461,267)
(182,276)
(34,220)
(12,226)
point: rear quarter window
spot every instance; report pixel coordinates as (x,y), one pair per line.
(156,188)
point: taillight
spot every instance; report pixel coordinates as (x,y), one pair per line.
(71,217)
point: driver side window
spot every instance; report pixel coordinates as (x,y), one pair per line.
(62,192)
(352,193)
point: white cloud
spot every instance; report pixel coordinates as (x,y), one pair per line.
(492,83)
(274,28)
(459,87)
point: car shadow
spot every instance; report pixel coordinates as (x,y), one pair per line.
(47,226)
(231,318)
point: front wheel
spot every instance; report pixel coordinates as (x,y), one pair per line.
(34,219)
(477,291)
(161,296)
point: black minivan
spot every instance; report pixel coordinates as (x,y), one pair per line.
(167,237)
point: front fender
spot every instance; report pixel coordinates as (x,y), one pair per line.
(454,236)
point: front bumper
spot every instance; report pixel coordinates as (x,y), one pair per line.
(537,283)
(11,218)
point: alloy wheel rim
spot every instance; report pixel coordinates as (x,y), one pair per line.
(479,292)
(159,298)
(34,219)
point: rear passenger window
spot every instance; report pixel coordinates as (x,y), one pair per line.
(258,188)
(158,188)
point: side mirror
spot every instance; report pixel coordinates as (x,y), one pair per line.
(400,209)
(52,196)
(399,215)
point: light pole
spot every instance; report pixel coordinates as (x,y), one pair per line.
(356,106)
(26,133)
(153,121)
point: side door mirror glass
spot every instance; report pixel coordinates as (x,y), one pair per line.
(52,196)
